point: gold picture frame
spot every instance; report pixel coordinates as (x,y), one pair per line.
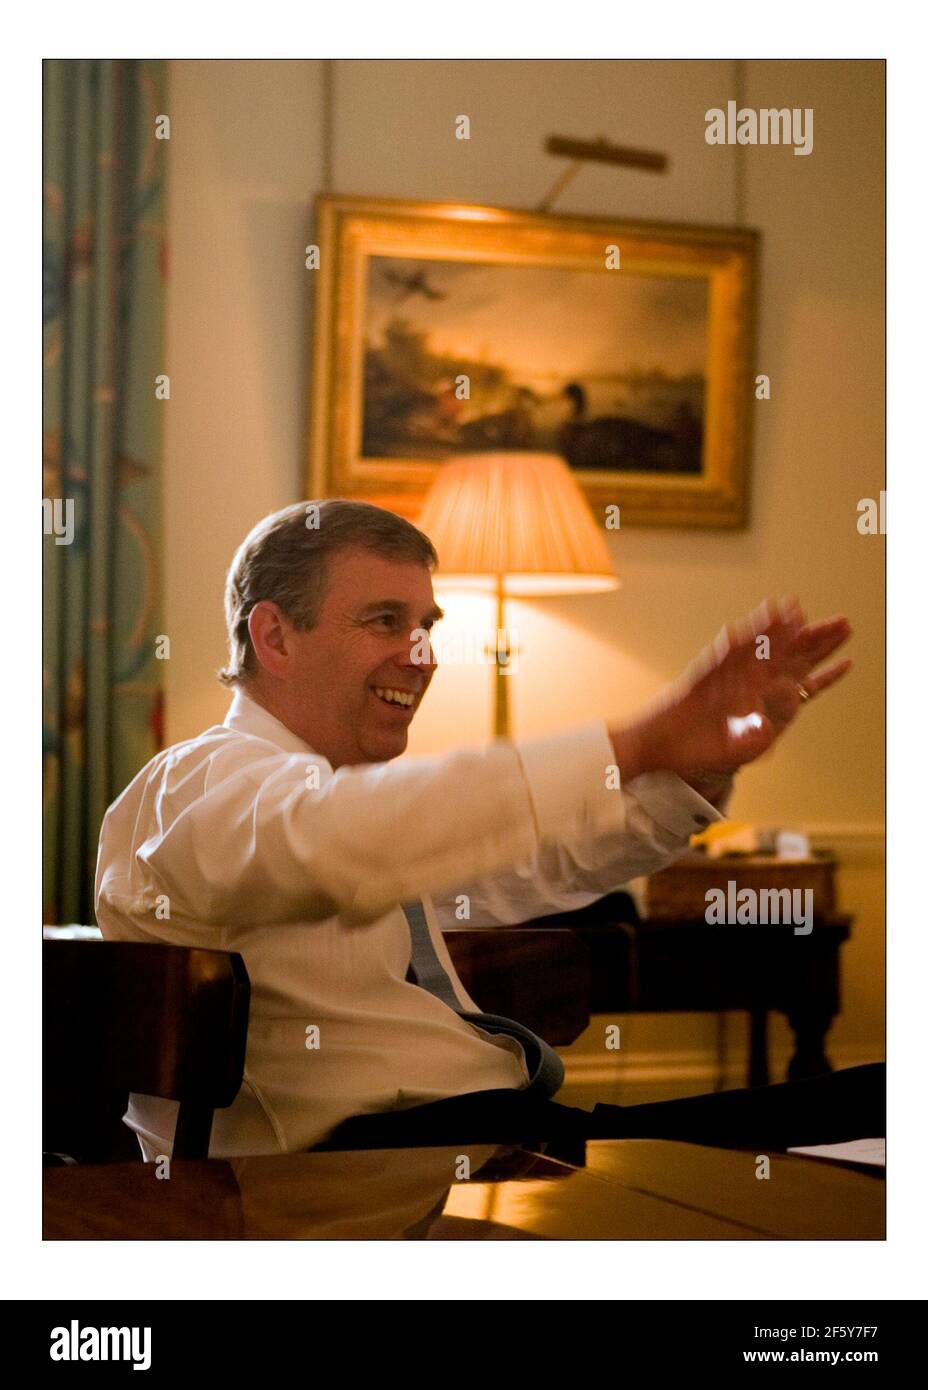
(386,403)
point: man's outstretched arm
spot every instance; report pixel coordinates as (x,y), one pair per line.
(734,678)
(244,836)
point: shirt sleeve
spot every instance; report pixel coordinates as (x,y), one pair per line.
(243,836)
(660,813)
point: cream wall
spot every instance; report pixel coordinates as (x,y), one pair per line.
(245,157)
(246,162)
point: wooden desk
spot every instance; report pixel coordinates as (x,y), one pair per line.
(619,1190)
(685,965)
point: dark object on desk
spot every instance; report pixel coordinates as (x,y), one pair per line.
(685,965)
(127,1016)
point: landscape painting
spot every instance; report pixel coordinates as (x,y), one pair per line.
(625,348)
(607,370)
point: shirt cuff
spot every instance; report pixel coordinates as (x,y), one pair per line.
(673,803)
(573,782)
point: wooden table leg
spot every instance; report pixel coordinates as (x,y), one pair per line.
(810,1027)
(758,1065)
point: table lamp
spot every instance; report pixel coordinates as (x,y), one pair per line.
(517,524)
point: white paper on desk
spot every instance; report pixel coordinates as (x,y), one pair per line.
(872,1151)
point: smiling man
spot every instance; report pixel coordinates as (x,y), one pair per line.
(350,684)
(290,833)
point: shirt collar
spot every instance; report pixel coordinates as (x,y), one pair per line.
(248,717)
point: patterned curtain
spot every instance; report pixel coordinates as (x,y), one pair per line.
(104,266)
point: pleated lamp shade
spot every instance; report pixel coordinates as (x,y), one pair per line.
(518,516)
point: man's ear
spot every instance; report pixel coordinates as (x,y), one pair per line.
(270,634)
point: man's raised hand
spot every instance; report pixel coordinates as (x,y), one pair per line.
(738,696)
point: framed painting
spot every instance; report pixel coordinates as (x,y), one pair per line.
(443,329)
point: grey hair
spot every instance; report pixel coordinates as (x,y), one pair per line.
(285,559)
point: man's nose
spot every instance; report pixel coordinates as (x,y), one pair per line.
(418,653)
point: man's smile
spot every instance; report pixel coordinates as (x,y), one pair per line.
(402,701)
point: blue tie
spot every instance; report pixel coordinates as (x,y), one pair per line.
(546,1070)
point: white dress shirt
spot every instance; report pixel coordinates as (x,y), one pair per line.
(244,839)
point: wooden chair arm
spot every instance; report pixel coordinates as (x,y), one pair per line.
(539,976)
